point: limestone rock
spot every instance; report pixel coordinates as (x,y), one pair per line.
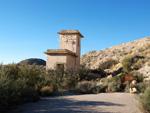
(109,77)
(133,90)
(99,83)
(133,82)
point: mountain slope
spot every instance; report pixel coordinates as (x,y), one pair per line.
(141,47)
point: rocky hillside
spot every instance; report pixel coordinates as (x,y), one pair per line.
(141,47)
(33,61)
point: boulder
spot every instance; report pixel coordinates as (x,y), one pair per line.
(133,90)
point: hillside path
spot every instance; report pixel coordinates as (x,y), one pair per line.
(89,103)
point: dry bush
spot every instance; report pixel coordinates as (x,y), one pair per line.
(48,90)
(85,87)
(145,99)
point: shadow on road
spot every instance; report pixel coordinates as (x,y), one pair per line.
(64,105)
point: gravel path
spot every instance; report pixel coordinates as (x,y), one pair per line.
(90,103)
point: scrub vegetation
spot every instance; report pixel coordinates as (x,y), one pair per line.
(23,83)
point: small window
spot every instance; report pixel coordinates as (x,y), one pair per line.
(60,66)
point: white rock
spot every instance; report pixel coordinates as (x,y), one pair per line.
(133,90)
(133,82)
(109,77)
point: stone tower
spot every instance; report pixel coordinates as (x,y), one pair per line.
(68,54)
(71,40)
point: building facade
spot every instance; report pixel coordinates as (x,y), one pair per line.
(68,54)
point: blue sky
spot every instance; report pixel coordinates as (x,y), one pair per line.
(29,27)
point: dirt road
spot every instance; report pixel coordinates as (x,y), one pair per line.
(90,103)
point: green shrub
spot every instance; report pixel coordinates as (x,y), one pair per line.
(67,79)
(31,72)
(61,91)
(138,64)
(10,91)
(100,88)
(83,73)
(113,87)
(140,87)
(5,85)
(141,50)
(108,64)
(17,84)
(85,87)
(132,62)
(63,79)
(115,84)
(20,83)
(68,84)
(145,99)
(13,92)
(126,63)
(138,78)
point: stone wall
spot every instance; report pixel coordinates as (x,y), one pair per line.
(71,61)
(53,60)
